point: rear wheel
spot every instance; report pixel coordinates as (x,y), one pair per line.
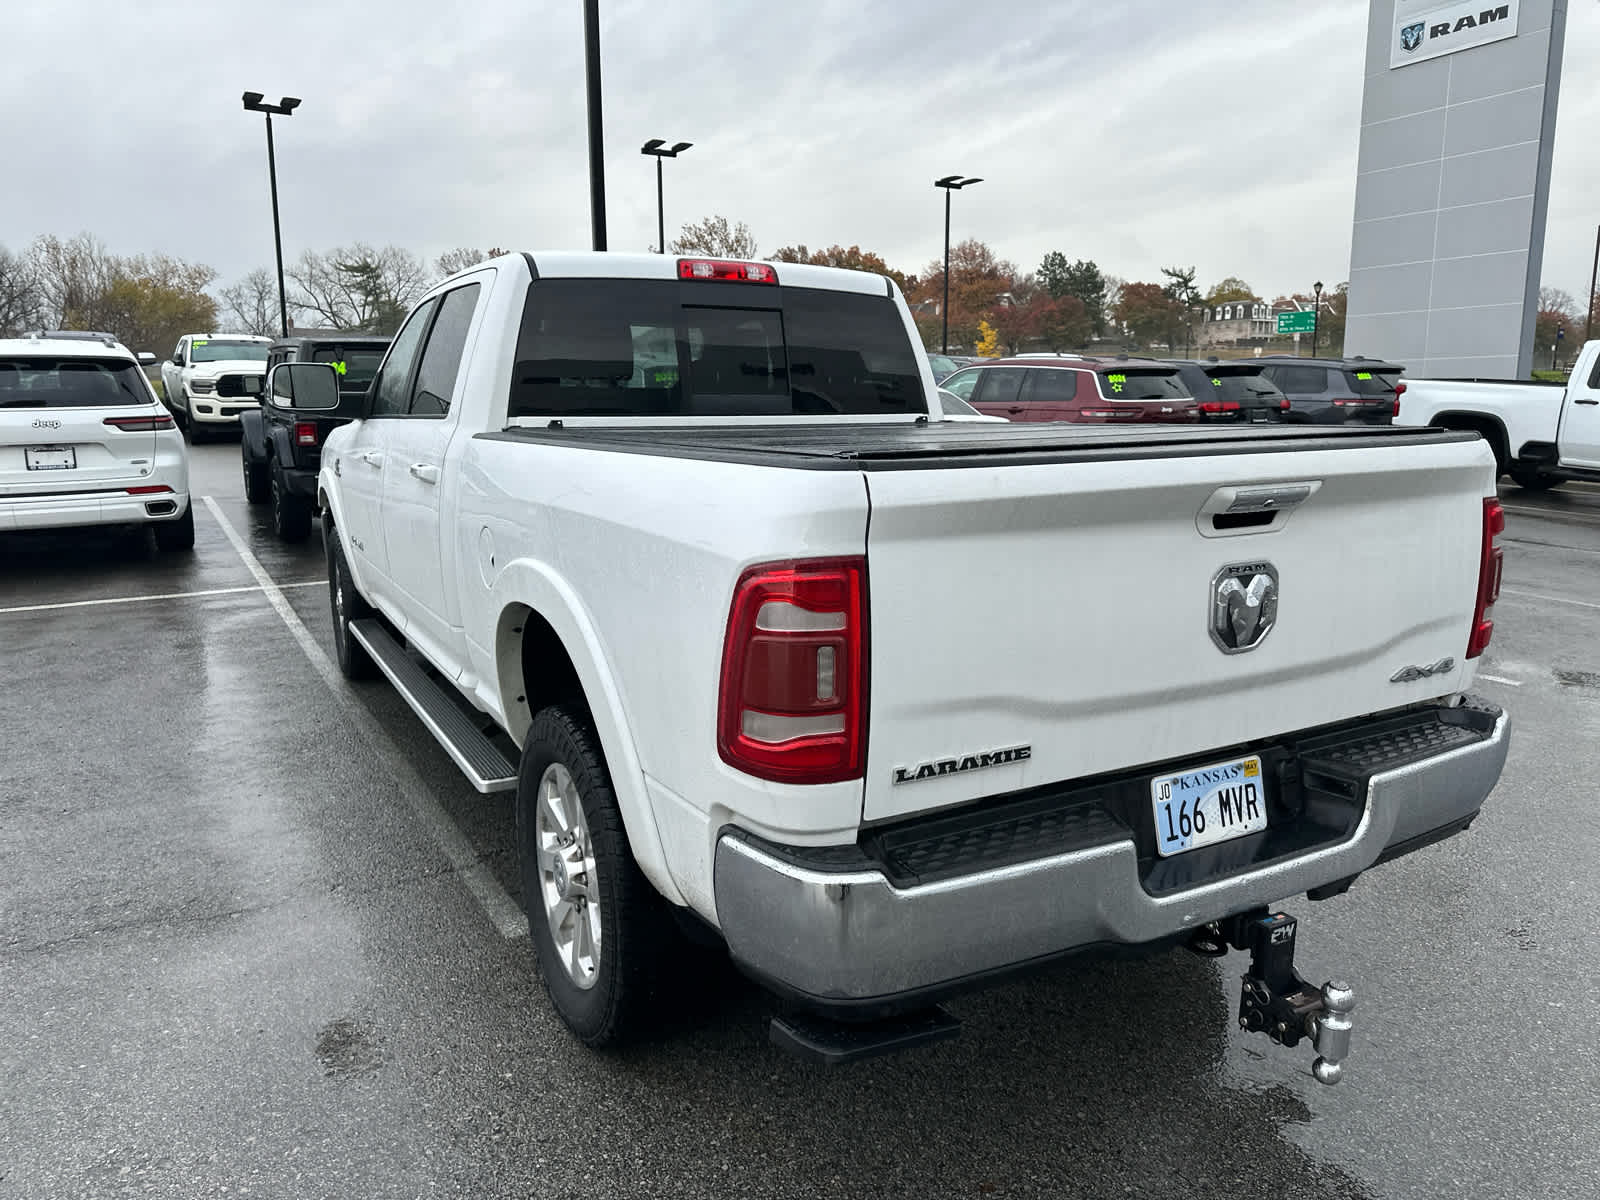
(257,487)
(291,514)
(347,605)
(599,928)
(176,535)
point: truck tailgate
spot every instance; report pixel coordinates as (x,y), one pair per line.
(1050,621)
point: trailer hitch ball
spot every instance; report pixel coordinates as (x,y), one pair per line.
(1332,1035)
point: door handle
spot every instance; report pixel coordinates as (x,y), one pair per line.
(1586,401)
(426,472)
(1015,408)
(371,457)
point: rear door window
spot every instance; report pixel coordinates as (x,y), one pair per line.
(441,361)
(1142,383)
(40,381)
(1051,385)
(660,348)
(356,364)
(1000,385)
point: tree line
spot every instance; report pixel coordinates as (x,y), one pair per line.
(998,308)
(149,301)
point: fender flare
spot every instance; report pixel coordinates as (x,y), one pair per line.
(524,586)
(253,437)
(282,449)
(1479,421)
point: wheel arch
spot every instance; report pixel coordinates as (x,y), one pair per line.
(1491,428)
(547,650)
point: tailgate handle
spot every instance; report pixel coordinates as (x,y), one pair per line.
(1252,508)
(1268,499)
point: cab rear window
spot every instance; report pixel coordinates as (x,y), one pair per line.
(1142,383)
(45,382)
(662,348)
(358,366)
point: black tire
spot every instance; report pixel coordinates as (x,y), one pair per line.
(257,487)
(346,605)
(1530,479)
(291,514)
(176,535)
(635,923)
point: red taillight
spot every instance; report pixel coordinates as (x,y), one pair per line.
(145,424)
(305,433)
(1283,405)
(721,268)
(1490,566)
(1399,390)
(1219,406)
(793,700)
(148,489)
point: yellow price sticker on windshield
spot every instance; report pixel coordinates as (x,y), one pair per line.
(192,345)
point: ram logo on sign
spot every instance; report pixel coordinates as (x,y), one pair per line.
(1421,36)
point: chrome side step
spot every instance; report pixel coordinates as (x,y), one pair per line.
(479,759)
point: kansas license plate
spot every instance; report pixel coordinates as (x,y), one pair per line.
(1207,805)
(50,458)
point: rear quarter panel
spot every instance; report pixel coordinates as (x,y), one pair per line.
(641,554)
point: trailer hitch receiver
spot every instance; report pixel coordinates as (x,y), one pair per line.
(1275,999)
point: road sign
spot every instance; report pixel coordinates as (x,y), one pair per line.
(1297,322)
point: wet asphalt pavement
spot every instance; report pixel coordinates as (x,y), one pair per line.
(253,941)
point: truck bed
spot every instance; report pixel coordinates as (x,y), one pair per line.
(888,447)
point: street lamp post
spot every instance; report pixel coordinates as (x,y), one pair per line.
(284,108)
(1588,323)
(1316,314)
(659,149)
(950,183)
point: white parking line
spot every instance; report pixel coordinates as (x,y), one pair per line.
(233,591)
(1505,591)
(1498,679)
(503,912)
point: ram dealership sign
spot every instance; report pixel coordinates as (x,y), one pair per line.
(1421,36)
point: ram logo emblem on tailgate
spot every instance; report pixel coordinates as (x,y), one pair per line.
(1244,606)
(964,762)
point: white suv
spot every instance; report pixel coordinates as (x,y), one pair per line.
(84,441)
(194,379)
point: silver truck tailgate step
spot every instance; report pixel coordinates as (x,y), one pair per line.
(479,759)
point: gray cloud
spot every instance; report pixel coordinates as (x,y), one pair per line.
(1140,134)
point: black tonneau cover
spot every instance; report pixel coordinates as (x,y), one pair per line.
(889,447)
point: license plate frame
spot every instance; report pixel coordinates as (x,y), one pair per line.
(1207,805)
(50,458)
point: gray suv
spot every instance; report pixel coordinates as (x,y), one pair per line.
(1335,391)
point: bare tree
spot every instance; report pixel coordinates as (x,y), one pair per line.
(715,236)
(458,259)
(358,289)
(71,276)
(251,305)
(19,294)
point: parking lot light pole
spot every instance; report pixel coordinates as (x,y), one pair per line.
(1316,314)
(284,108)
(659,149)
(1588,321)
(950,183)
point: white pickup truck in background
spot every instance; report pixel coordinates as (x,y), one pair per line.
(1541,433)
(889,704)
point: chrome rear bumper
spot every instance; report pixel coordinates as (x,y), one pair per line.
(849,937)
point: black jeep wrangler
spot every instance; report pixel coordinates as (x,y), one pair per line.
(282,447)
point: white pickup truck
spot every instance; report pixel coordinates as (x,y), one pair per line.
(889,704)
(1541,433)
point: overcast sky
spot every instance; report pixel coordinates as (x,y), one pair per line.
(1141,134)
